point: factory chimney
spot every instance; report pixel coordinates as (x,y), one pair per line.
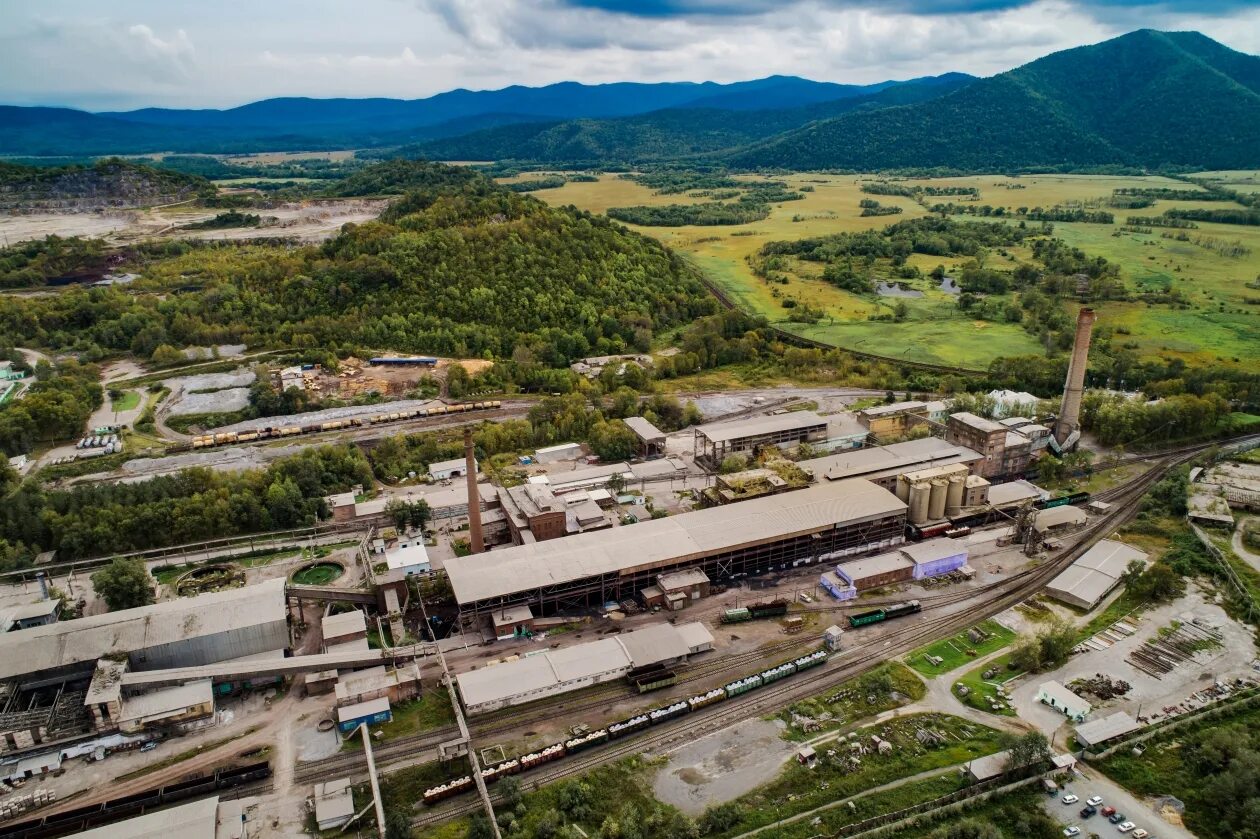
(1069,421)
(475,541)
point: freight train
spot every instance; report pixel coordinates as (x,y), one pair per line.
(273,432)
(626,727)
(884,614)
(773,609)
(116,809)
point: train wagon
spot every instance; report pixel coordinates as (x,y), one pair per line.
(776,673)
(652,678)
(706,699)
(595,738)
(772,609)
(743,685)
(879,615)
(668,713)
(736,615)
(812,660)
(630,726)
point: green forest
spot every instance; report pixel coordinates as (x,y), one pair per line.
(457,266)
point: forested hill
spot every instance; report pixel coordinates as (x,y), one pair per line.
(458,266)
(665,134)
(1146,99)
(107,183)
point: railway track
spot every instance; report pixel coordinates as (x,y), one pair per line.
(897,642)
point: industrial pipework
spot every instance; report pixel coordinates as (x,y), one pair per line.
(1069,421)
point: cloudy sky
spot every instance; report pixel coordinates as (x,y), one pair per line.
(133,53)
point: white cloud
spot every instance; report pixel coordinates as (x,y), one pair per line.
(73,52)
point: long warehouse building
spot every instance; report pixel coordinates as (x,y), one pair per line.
(835,518)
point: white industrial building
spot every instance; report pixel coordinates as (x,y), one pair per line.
(444,470)
(550,672)
(1092,577)
(1063,700)
(207,818)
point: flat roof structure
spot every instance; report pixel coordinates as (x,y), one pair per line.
(413,555)
(874,566)
(892,409)
(344,624)
(164,702)
(989,766)
(1108,728)
(190,630)
(695,636)
(334,803)
(452,465)
(729,432)
(359,710)
(878,462)
(1012,492)
(569,668)
(1092,577)
(682,579)
(1058,517)
(511,616)
(645,431)
(660,545)
(979,423)
(588,477)
(194,820)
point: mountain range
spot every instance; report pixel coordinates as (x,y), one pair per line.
(1146,99)
(301,123)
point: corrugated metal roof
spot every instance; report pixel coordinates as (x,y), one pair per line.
(646,431)
(1115,725)
(979,423)
(1057,516)
(657,542)
(90,638)
(362,709)
(933,549)
(653,644)
(871,566)
(195,820)
(905,456)
(166,700)
(346,623)
(1089,578)
(724,432)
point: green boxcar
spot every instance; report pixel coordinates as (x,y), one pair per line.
(736,615)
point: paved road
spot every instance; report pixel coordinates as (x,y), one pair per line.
(1139,812)
(1252,559)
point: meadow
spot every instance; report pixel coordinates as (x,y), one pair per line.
(1219,325)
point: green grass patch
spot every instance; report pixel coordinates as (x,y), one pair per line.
(981,690)
(798,789)
(431,711)
(890,685)
(320,574)
(1015,815)
(868,806)
(129,400)
(620,793)
(956,651)
(1204,764)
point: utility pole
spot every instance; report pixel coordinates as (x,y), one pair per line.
(474,764)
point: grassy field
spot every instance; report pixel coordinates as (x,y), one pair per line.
(888,686)
(956,651)
(1219,325)
(129,400)
(798,789)
(981,690)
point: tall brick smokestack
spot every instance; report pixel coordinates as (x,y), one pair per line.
(475,540)
(1070,413)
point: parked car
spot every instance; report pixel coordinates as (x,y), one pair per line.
(1108,811)
(1116,818)
(149,746)
(1089,812)
(1094,801)
(1072,831)
(1125,827)
(1140,834)
(1070,799)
